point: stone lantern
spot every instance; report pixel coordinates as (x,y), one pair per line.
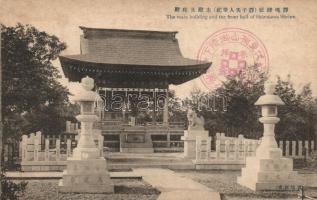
(86,170)
(268,170)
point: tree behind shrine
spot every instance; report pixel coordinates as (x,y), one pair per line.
(32,97)
(298,115)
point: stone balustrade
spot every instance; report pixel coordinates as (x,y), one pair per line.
(238,148)
(297,148)
(47,153)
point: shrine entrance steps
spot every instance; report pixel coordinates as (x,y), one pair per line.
(122,161)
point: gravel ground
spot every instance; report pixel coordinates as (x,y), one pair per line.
(125,189)
(225,183)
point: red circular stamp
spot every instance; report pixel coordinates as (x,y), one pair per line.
(232,51)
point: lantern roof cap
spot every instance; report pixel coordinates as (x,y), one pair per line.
(269,98)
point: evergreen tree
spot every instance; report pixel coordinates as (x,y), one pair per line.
(32,97)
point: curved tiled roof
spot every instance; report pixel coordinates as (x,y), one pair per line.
(135,49)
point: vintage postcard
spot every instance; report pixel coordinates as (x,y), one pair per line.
(166,100)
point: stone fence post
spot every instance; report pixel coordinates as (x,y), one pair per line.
(47,150)
(236,149)
(68,123)
(293,148)
(227,149)
(208,150)
(300,149)
(287,149)
(24,148)
(218,149)
(245,148)
(36,149)
(58,149)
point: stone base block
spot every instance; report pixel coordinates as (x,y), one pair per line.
(192,134)
(263,186)
(189,149)
(86,176)
(42,166)
(106,188)
(189,139)
(269,174)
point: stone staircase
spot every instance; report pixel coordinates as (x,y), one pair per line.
(156,160)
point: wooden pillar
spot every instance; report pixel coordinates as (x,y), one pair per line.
(154,106)
(68,147)
(165,111)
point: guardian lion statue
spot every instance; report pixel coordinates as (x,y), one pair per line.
(195,122)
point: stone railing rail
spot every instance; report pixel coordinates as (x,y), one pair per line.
(297,148)
(34,149)
(234,148)
(238,148)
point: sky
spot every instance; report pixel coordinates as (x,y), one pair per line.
(291,43)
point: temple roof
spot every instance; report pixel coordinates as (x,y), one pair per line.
(110,50)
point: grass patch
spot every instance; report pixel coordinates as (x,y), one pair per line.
(127,189)
(225,182)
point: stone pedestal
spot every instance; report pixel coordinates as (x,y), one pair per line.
(189,139)
(271,173)
(86,170)
(86,176)
(135,140)
(268,170)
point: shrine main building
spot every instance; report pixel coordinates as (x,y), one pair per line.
(132,70)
